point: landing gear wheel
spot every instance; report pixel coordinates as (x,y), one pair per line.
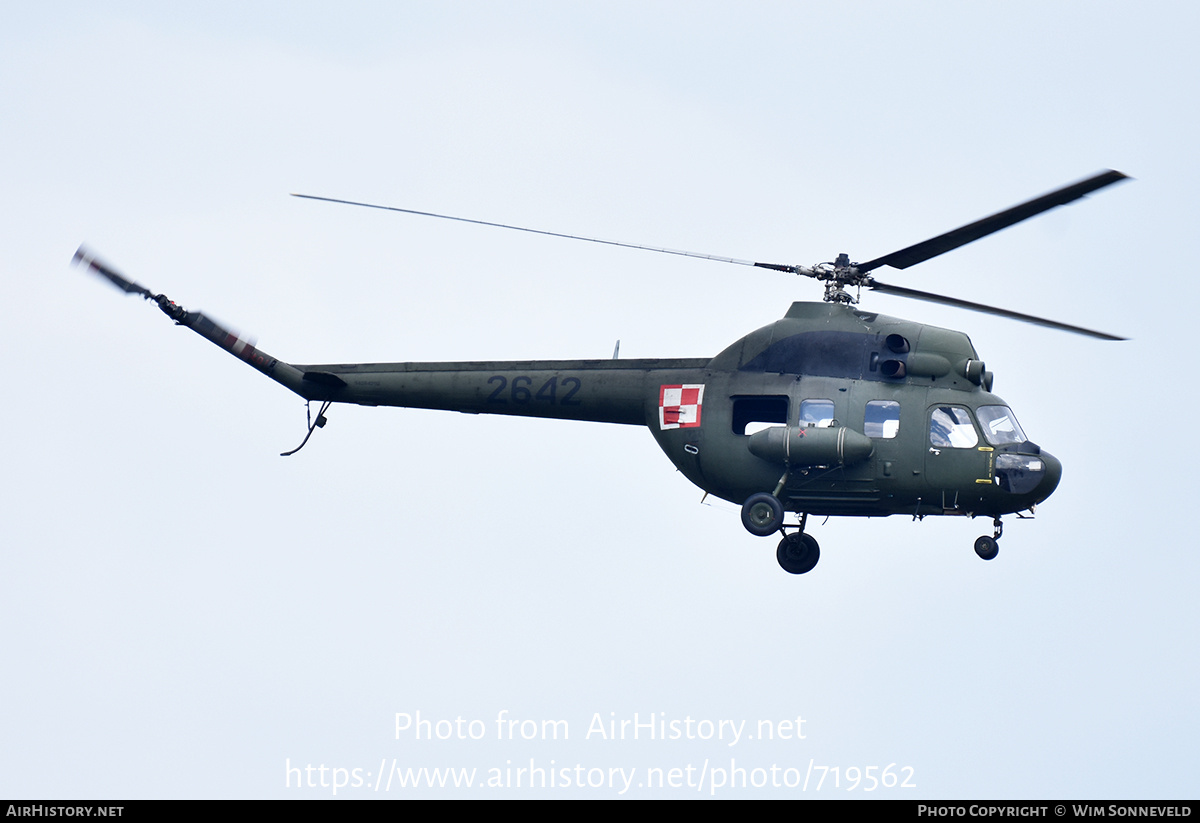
(762,514)
(798,553)
(986,547)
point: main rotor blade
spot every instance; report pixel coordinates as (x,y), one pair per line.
(951,240)
(548,233)
(900,291)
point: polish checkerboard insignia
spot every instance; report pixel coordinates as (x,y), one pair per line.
(679,406)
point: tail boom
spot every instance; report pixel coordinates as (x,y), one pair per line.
(602,391)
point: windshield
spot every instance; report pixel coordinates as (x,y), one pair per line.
(1000,425)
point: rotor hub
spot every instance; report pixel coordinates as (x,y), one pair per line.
(838,277)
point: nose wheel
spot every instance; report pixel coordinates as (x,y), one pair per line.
(988,547)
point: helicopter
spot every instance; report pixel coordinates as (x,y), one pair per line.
(830,411)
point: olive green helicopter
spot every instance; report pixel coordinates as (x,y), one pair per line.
(830,411)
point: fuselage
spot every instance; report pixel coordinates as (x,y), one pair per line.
(855,413)
(844,412)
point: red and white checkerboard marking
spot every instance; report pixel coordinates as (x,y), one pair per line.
(679,406)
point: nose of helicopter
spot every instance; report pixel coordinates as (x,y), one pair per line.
(1050,480)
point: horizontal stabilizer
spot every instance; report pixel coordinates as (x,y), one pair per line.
(324,378)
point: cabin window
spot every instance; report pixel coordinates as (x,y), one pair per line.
(882,419)
(951,427)
(816,413)
(755,413)
(1000,426)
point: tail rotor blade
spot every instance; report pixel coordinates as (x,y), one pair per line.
(85,258)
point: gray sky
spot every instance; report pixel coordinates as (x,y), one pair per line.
(186,614)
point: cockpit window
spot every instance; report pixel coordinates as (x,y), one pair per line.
(882,419)
(1000,425)
(950,426)
(816,413)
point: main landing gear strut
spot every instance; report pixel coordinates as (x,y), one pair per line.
(762,515)
(798,553)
